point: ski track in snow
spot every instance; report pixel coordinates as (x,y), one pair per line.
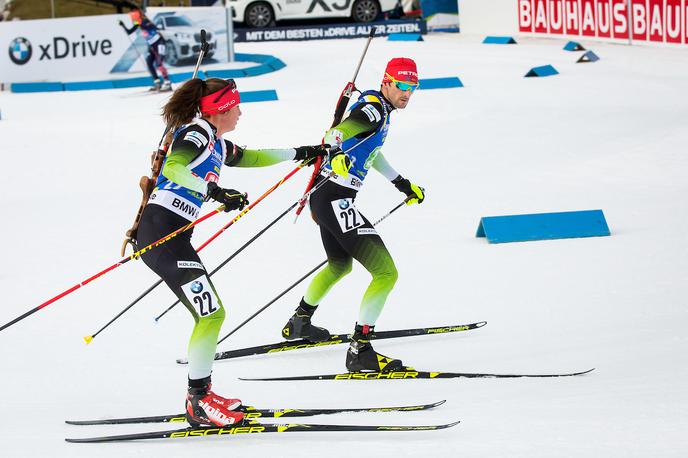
(608,135)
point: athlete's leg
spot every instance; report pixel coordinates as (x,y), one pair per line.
(178,264)
(372,253)
(339,264)
(158,51)
(356,237)
(150,60)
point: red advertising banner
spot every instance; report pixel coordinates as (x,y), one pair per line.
(603,14)
(620,23)
(589,23)
(674,21)
(525,15)
(541,16)
(660,21)
(572,17)
(556,16)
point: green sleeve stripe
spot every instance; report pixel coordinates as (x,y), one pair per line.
(264,157)
(176,170)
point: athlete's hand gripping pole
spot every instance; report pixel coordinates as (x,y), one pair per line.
(342,103)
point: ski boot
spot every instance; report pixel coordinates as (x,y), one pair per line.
(203,407)
(166,86)
(299,325)
(362,357)
(156,85)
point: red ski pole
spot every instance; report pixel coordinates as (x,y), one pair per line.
(256,202)
(90,338)
(114,266)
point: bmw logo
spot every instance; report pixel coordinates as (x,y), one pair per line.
(196,287)
(343,204)
(20,50)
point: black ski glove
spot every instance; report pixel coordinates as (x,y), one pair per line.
(307,153)
(414,193)
(230,198)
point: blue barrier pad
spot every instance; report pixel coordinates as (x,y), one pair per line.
(260,58)
(277,64)
(447,29)
(499,41)
(181,77)
(88,85)
(588,57)
(258,96)
(440,83)
(37,87)
(233,73)
(545,70)
(543,226)
(258,70)
(573,46)
(404,37)
(132,82)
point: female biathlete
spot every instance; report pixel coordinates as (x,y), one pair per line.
(346,234)
(189,177)
(156,48)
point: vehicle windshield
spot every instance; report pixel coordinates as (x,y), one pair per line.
(177,21)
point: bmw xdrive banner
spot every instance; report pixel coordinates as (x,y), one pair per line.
(97,47)
(51,49)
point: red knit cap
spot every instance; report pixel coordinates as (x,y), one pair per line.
(401,69)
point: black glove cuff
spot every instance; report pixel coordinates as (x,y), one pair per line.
(403,185)
(211,191)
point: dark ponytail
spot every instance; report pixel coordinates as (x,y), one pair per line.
(185,103)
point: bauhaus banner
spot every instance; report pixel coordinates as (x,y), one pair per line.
(658,21)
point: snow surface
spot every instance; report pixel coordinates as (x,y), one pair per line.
(608,135)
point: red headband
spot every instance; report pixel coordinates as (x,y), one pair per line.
(220,101)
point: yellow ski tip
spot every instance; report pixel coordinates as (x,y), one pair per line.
(88,339)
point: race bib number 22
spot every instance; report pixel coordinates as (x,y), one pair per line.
(348,216)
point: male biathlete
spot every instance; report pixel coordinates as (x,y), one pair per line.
(156,48)
(200,112)
(346,234)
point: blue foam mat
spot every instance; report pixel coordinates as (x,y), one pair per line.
(545,70)
(440,83)
(88,85)
(37,87)
(267,63)
(573,46)
(588,57)
(492,40)
(259,96)
(404,37)
(543,226)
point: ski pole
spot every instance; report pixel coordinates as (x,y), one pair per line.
(260,310)
(114,266)
(133,44)
(342,103)
(90,338)
(201,55)
(253,239)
